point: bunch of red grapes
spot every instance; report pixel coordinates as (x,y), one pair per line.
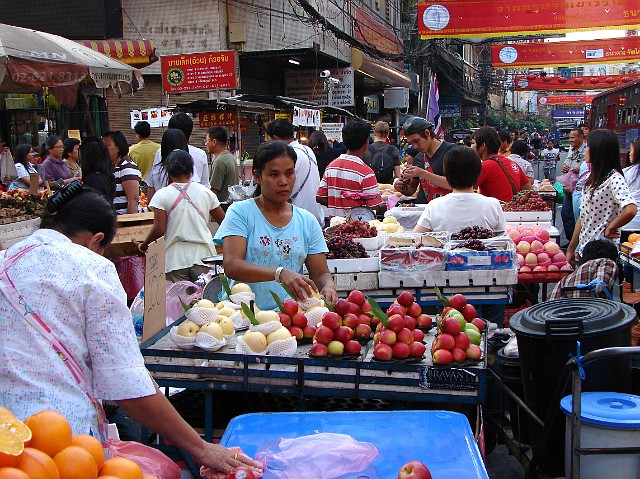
(473,244)
(473,232)
(356,229)
(343,248)
(527,200)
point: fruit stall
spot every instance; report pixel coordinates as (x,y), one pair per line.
(20,214)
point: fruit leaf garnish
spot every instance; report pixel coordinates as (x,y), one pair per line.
(184,306)
(377,312)
(288,290)
(444,301)
(225,285)
(278,301)
(328,304)
(249,314)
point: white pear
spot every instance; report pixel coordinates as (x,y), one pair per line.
(227,325)
(188,329)
(278,334)
(241,288)
(266,316)
(390,219)
(212,329)
(256,341)
(226,311)
(204,303)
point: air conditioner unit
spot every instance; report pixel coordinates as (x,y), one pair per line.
(396,97)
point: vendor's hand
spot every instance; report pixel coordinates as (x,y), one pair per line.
(565,169)
(571,255)
(611,233)
(140,247)
(413,171)
(576,170)
(218,461)
(330,294)
(301,286)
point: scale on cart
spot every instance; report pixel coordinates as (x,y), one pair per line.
(363,212)
(213,287)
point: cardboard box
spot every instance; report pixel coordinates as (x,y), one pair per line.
(131,227)
(155,290)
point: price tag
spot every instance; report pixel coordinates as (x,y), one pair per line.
(155,292)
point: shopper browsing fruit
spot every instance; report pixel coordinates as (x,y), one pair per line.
(462,207)
(67,336)
(267,240)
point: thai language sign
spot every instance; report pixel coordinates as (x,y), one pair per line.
(530,55)
(575,113)
(307,85)
(546,100)
(199,72)
(495,18)
(222,118)
(554,83)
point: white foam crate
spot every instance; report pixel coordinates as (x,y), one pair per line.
(527,216)
(428,279)
(11,233)
(356,265)
(351,281)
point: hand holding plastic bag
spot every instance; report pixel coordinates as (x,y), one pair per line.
(151,461)
(321,456)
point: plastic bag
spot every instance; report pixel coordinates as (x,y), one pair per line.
(560,189)
(241,192)
(321,456)
(7,167)
(568,180)
(151,461)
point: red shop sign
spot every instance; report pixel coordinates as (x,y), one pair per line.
(222,118)
(199,72)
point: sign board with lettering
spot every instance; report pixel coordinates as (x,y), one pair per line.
(307,85)
(332,130)
(577,113)
(450,110)
(458,379)
(223,118)
(155,290)
(372,103)
(200,72)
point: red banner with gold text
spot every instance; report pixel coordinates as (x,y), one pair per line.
(546,100)
(531,55)
(550,83)
(496,18)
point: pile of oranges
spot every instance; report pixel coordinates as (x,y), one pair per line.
(43,447)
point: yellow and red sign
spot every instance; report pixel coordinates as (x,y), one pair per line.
(199,72)
(531,55)
(222,118)
(499,18)
(552,83)
(546,100)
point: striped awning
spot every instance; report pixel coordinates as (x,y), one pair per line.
(138,53)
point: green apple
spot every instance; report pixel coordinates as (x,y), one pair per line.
(474,336)
(336,348)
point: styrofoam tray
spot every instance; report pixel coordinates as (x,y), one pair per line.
(373,244)
(357,265)
(392,279)
(527,216)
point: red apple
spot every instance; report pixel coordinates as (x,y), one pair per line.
(285,319)
(410,322)
(396,308)
(323,335)
(444,341)
(365,307)
(352,347)
(479,323)
(414,310)
(351,320)
(416,349)
(405,299)
(309,331)
(363,331)
(414,470)
(396,323)
(442,356)
(341,334)
(319,349)
(424,321)
(474,352)
(382,352)
(418,335)
(451,326)
(446,310)
(374,322)
(388,337)
(356,297)
(364,319)
(376,338)
(400,351)
(299,320)
(332,320)
(457,301)
(461,341)
(290,307)
(405,336)
(469,312)
(341,307)
(459,355)
(241,473)
(354,308)
(296,332)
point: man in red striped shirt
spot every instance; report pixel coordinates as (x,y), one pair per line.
(348,173)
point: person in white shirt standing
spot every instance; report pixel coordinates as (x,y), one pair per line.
(307,175)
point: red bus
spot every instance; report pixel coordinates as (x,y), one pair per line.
(618,110)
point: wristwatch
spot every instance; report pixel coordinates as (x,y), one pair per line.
(278,271)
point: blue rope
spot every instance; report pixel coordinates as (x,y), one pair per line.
(594,284)
(578,359)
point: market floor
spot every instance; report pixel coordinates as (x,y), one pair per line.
(502,465)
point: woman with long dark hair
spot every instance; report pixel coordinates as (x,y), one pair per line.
(606,203)
(325,153)
(267,240)
(126,172)
(181,213)
(24,167)
(632,175)
(97,168)
(172,139)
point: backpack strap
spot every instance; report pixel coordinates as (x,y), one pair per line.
(513,185)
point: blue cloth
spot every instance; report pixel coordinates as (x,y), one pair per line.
(268,245)
(576,197)
(568,220)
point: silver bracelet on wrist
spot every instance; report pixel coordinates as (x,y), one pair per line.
(277,275)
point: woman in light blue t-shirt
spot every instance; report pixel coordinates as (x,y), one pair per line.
(267,240)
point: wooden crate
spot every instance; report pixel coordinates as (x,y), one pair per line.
(11,233)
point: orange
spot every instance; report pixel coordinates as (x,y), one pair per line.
(74,462)
(143,477)
(9,422)
(38,465)
(12,473)
(122,468)
(633,237)
(11,447)
(50,432)
(92,445)
(108,477)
